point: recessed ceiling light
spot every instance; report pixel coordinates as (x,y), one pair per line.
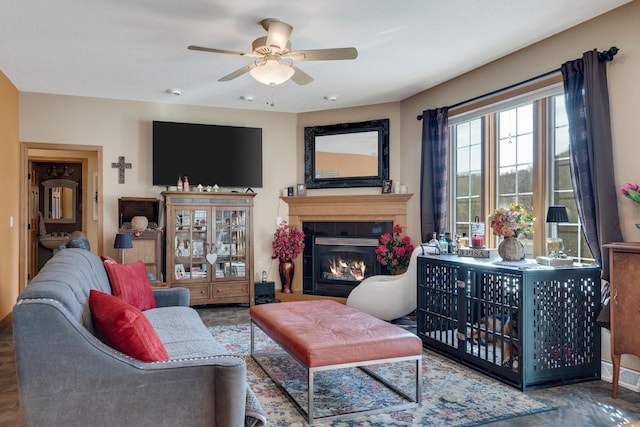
(248,98)
(175,91)
(330,97)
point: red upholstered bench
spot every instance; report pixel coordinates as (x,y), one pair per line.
(324,335)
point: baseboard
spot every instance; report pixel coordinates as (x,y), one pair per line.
(629,378)
(6,322)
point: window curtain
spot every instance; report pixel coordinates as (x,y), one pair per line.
(591,156)
(434,178)
(590,151)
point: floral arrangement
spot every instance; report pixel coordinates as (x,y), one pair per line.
(394,252)
(288,242)
(511,222)
(631,190)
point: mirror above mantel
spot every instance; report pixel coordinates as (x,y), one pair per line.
(347,155)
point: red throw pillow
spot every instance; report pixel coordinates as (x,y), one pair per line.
(125,327)
(130,282)
(107,258)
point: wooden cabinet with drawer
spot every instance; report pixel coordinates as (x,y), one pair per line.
(624,303)
(209,246)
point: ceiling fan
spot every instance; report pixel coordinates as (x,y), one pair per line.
(275,57)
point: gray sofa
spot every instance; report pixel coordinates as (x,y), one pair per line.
(68,377)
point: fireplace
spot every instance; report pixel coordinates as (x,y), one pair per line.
(339,255)
(343,216)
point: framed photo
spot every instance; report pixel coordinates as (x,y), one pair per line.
(302,190)
(180,273)
(224,249)
(387,185)
(197,248)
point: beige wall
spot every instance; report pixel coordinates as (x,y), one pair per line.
(124,128)
(9,194)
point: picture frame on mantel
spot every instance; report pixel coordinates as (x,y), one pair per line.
(387,185)
(347,154)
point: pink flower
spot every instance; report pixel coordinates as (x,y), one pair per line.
(288,242)
(511,222)
(631,190)
(394,251)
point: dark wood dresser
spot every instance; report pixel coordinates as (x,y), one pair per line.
(624,259)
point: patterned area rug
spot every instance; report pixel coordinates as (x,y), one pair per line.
(452,395)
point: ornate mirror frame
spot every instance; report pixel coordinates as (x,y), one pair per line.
(343,134)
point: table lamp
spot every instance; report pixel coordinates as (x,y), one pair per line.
(555,244)
(123,241)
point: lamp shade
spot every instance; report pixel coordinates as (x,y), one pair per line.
(123,241)
(272,72)
(557,214)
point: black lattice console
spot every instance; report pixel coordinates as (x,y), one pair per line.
(528,325)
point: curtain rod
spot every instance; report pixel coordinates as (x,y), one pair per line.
(607,55)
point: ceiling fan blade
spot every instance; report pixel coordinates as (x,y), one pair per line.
(278,33)
(300,77)
(323,54)
(210,49)
(237,73)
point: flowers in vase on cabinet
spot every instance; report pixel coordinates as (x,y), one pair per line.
(631,190)
(288,242)
(393,251)
(512,222)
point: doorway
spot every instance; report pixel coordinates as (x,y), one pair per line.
(46,177)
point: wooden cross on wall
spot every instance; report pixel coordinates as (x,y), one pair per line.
(122,166)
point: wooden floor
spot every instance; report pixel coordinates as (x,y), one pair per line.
(587,404)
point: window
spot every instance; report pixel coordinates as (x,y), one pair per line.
(468,176)
(561,191)
(515,151)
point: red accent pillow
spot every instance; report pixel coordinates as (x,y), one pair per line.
(125,327)
(107,258)
(130,282)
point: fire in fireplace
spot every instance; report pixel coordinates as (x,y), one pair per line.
(345,269)
(340,264)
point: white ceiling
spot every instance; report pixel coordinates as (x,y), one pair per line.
(137,49)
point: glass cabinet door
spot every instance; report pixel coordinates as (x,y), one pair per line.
(230,237)
(191,244)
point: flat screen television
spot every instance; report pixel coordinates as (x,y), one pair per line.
(229,156)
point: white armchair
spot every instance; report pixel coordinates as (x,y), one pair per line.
(388,297)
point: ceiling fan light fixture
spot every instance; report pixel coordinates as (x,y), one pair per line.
(272,72)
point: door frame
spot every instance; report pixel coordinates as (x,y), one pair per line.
(86,154)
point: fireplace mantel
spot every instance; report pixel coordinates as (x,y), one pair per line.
(362,207)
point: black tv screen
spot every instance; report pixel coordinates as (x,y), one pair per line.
(228,156)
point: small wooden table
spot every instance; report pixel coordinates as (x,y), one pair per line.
(324,335)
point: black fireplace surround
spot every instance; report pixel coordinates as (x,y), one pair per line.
(339,255)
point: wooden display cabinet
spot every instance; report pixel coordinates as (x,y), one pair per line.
(624,303)
(209,246)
